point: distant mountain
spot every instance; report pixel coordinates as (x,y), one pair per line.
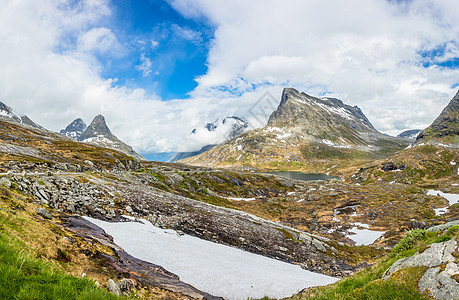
(235,125)
(410,134)
(302,128)
(182,155)
(98,134)
(75,129)
(444,131)
(8,114)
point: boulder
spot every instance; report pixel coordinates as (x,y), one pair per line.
(433,256)
(113,288)
(440,284)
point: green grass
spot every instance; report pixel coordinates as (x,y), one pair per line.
(367,284)
(23,276)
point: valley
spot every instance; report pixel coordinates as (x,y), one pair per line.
(378,206)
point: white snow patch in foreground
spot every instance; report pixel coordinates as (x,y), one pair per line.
(214,268)
(364,236)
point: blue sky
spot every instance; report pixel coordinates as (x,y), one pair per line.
(153,32)
(156,69)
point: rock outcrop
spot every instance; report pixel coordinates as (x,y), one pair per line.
(439,259)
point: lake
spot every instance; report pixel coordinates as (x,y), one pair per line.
(304,176)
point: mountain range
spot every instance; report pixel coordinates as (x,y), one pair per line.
(304,127)
(97,133)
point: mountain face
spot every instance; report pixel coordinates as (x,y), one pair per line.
(301,128)
(75,129)
(235,126)
(444,131)
(410,134)
(8,114)
(316,113)
(98,134)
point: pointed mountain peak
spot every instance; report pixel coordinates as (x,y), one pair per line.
(75,129)
(98,133)
(7,113)
(313,112)
(98,127)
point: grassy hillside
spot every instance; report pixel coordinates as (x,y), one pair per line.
(40,259)
(367,284)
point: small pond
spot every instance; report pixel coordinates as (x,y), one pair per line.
(304,176)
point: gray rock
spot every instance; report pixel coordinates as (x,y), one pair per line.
(44,213)
(442,227)
(112,287)
(319,245)
(43,194)
(126,285)
(440,285)
(433,256)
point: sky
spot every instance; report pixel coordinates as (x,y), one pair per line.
(157,69)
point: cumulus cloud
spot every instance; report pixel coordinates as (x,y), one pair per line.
(99,39)
(374,57)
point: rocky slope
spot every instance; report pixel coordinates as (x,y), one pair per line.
(98,133)
(444,130)
(304,128)
(8,114)
(433,156)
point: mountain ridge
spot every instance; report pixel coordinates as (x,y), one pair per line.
(301,129)
(7,113)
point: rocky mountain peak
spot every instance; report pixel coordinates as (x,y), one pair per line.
(98,127)
(302,108)
(98,133)
(7,113)
(445,128)
(75,129)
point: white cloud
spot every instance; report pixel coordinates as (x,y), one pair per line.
(145,67)
(368,56)
(99,39)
